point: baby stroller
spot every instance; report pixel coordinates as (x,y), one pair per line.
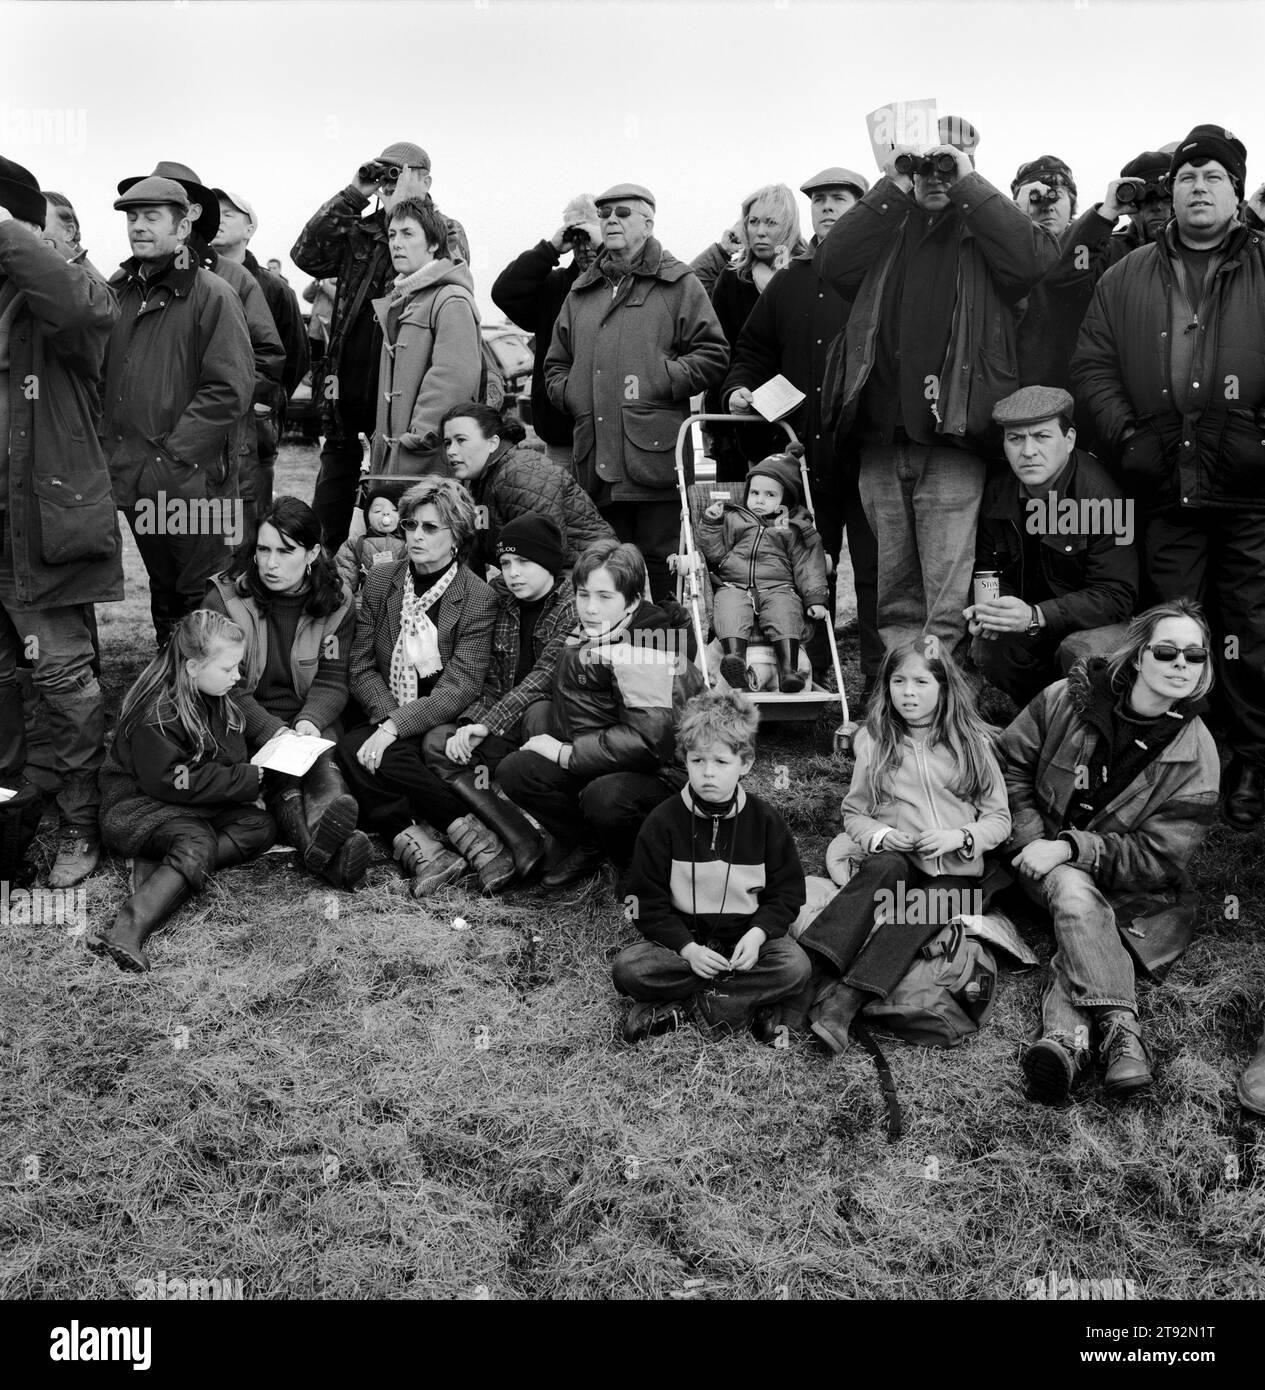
(694,588)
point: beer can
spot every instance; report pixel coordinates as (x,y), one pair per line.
(987,585)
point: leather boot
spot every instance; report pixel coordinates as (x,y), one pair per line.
(1245,794)
(517,833)
(1251,1085)
(733,665)
(287,811)
(789,680)
(143,913)
(425,860)
(481,849)
(331,812)
(1123,1053)
(832,1015)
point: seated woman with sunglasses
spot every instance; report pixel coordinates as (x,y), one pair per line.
(1113,780)
(421,651)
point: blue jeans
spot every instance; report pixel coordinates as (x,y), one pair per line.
(59,642)
(922,503)
(1091,968)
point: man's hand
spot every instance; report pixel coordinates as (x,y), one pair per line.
(1035,860)
(1023,199)
(905,181)
(1112,208)
(467,738)
(933,843)
(703,961)
(818,611)
(747,951)
(998,615)
(740,402)
(974,627)
(546,746)
(964,160)
(307,729)
(371,750)
(366,186)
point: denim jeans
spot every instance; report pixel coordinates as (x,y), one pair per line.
(1091,968)
(59,642)
(922,503)
(652,973)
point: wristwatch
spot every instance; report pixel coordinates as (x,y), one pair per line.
(1034,627)
(968,844)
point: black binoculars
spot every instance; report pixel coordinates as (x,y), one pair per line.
(1130,191)
(943,164)
(576,236)
(1036,196)
(377,172)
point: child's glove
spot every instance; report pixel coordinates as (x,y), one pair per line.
(818,611)
(715,511)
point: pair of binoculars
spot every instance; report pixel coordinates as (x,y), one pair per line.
(1130,191)
(379,173)
(576,236)
(943,164)
(1036,197)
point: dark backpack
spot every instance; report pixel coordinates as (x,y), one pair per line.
(19,820)
(946,995)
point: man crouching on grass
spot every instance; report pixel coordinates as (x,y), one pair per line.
(714,885)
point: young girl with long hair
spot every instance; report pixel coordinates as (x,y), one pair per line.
(177,789)
(927,801)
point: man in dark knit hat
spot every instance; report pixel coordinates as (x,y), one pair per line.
(1171,361)
(60,550)
(339,243)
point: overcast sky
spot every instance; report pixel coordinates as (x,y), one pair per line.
(523,103)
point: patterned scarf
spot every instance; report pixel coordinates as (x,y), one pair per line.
(417,650)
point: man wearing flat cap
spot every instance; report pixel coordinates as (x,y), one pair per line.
(634,340)
(1171,361)
(339,243)
(1060,538)
(790,332)
(935,260)
(179,374)
(60,550)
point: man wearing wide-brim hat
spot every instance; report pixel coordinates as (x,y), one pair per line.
(61,551)
(634,340)
(339,242)
(179,374)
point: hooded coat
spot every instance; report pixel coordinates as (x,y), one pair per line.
(431,359)
(625,364)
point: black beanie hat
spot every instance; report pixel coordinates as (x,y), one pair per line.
(1212,142)
(534,538)
(1045,168)
(392,495)
(20,193)
(1150,165)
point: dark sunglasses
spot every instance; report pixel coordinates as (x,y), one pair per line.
(606,210)
(429,528)
(1167,651)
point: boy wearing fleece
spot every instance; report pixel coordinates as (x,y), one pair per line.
(715,884)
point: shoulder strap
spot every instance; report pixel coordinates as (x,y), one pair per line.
(895,1123)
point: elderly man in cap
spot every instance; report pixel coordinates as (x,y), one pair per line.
(338,242)
(530,291)
(178,382)
(59,548)
(238,224)
(1171,361)
(935,259)
(1059,539)
(635,339)
(789,332)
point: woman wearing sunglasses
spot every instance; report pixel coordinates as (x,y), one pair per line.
(1113,782)
(421,651)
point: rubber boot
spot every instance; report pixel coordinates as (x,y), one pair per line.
(481,849)
(733,665)
(142,914)
(789,680)
(517,833)
(425,860)
(331,812)
(350,862)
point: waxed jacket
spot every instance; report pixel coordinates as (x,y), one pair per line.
(339,243)
(1092,577)
(431,359)
(283,305)
(1214,455)
(1000,256)
(624,366)
(179,376)
(1142,839)
(520,480)
(617,699)
(61,519)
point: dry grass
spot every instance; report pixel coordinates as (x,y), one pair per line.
(368,1103)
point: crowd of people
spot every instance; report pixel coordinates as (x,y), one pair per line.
(1040,430)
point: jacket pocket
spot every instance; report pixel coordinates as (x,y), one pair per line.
(1236,459)
(649,444)
(77,520)
(163,472)
(584,440)
(1144,461)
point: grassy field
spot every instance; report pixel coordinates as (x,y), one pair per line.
(341,1095)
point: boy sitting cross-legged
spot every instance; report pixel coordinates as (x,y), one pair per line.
(714,885)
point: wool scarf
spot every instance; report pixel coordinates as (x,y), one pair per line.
(417,648)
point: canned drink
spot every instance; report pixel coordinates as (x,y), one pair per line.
(987,585)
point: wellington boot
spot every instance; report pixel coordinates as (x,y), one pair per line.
(833,1013)
(733,665)
(789,679)
(516,832)
(143,913)
(330,810)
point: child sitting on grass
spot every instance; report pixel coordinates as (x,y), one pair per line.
(714,886)
(178,791)
(767,565)
(380,543)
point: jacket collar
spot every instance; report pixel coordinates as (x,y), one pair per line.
(179,280)
(739,802)
(1008,501)
(654,264)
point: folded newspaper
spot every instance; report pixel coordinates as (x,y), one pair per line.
(291,753)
